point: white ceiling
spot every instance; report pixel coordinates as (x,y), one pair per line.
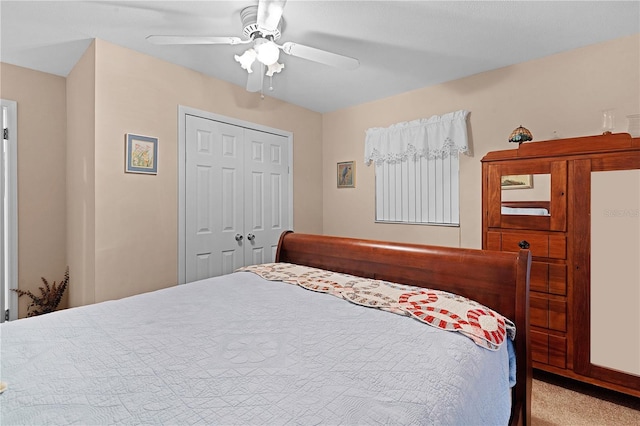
(401,45)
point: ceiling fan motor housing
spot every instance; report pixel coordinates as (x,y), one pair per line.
(249,17)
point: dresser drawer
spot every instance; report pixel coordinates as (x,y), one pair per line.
(549,349)
(549,278)
(539,311)
(553,245)
(558,351)
(494,241)
(540,347)
(558,279)
(557,315)
(547,312)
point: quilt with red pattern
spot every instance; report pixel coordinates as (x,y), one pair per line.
(437,308)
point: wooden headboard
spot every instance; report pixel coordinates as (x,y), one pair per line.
(499,280)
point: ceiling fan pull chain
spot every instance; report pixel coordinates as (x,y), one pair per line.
(271,83)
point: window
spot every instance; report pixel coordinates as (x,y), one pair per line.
(8,213)
(417,169)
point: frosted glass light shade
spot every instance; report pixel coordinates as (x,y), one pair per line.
(268,53)
(246,60)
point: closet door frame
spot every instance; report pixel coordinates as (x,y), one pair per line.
(183,112)
(9,214)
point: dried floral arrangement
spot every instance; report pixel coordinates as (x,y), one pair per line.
(50,298)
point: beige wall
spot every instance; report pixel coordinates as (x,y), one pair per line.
(117,231)
(136,233)
(564,93)
(80,185)
(41,175)
(77,207)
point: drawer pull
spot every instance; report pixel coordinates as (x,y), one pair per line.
(524,244)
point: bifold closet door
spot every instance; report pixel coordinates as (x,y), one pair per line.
(266,194)
(237,192)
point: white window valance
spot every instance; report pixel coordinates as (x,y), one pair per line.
(433,137)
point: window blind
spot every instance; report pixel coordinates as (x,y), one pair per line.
(417,169)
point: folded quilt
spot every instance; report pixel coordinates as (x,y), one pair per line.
(437,308)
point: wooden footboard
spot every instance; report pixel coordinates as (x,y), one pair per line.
(499,280)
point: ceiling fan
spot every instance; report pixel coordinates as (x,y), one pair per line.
(261,25)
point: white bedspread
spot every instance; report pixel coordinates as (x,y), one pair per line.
(242,350)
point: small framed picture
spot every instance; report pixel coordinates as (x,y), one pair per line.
(141,154)
(516,182)
(347,174)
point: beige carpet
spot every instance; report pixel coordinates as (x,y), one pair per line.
(556,401)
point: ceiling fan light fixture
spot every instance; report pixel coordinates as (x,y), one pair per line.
(247,59)
(267,52)
(262,24)
(274,68)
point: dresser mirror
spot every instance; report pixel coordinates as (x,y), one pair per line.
(526,194)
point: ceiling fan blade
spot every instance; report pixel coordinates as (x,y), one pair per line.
(269,15)
(176,39)
(256,78)
(321,56)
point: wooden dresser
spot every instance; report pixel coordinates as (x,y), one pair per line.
(538,196)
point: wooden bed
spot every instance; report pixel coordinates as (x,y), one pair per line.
(272,344)
(499,280)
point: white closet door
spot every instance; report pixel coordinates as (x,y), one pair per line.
(266,194)
(214,198)
(237,195)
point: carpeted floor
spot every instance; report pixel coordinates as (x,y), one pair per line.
(558,401)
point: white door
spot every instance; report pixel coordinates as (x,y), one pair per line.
(266,193)
(237,191)
(4,290)
(8,211)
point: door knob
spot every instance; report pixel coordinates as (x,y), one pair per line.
(238,237)
(251,237)
(524,244)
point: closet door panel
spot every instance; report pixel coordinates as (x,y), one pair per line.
(266,194)
(213,217)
